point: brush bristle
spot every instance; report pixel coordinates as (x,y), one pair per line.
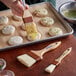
(50,68)
(26,60)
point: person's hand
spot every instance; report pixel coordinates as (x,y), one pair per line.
(18,8)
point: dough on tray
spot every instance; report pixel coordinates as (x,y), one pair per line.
(8,29)
(4,19)
(23,27)
(54,31)
(17,18)
(15,40)
(47,21)
(40,12)
(23,33)
(34,36)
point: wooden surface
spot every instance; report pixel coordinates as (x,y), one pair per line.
(66,68)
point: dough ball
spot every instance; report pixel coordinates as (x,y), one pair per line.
(9,29)
(15,40)
(23,33)
(23,27)
(34,36)
(41,12)
(4,20)
(54,31)
(17,18)
(47,21)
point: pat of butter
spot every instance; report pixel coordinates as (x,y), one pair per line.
(33,36)
(26,60)
(30,27)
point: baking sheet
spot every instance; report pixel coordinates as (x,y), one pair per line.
(59,22)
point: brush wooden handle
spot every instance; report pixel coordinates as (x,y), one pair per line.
(26,12)
(50,47)
(23,2)
(65,53)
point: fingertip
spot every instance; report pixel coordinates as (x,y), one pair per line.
(27,6)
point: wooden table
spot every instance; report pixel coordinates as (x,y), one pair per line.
(66,68)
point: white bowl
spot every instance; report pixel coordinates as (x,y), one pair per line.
(68,6)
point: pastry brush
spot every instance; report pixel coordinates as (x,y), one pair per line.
(27,16)
(57,61)
(28,21)
(34,56)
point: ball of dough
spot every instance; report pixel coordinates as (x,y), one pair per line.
(47,21)
(23,33)
(54,31)
(9,29)
(15,40)
(40,12)
(18,18)
(23,27)
(34,36)
(4,20)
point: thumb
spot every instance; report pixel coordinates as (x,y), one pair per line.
(26,5)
